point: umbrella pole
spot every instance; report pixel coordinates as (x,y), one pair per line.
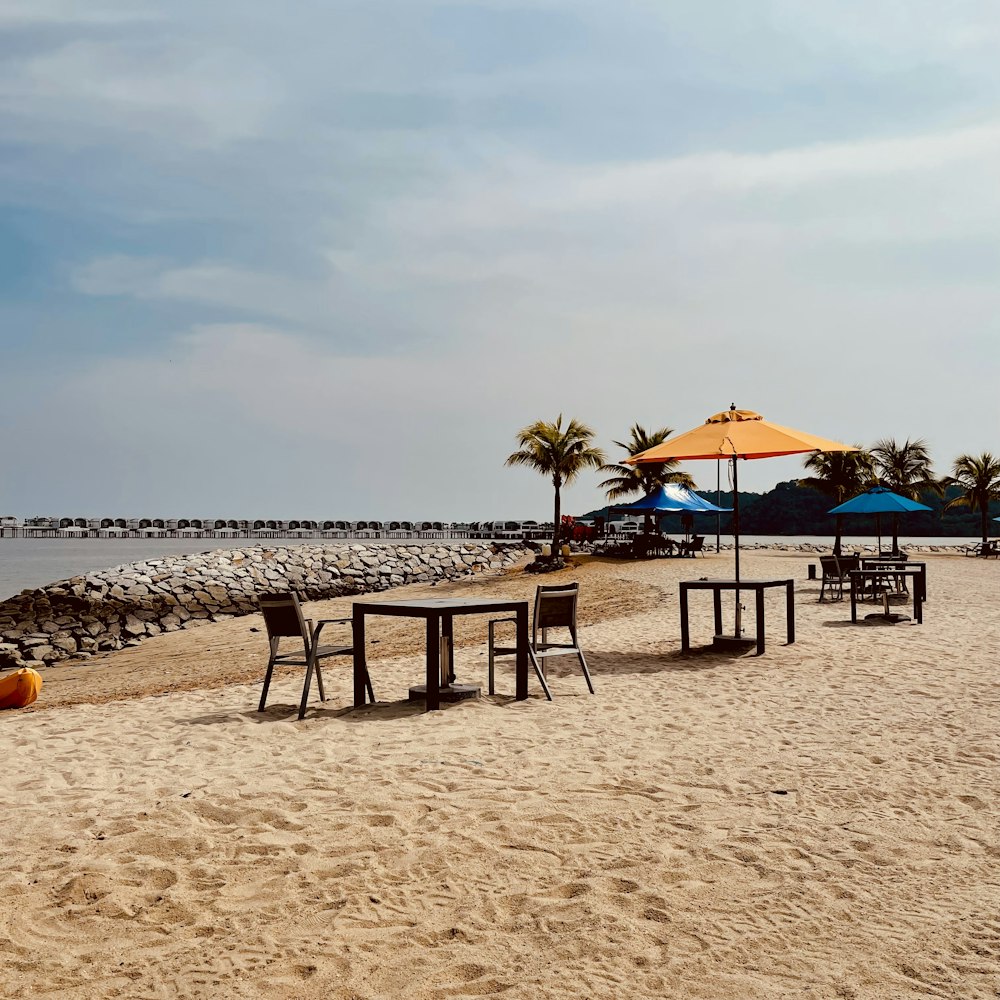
(718,503)
(736,539)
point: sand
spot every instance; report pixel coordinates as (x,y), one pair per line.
(817,822)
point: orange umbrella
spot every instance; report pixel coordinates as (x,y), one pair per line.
(736,434)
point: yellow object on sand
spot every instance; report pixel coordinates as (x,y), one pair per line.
(20,688)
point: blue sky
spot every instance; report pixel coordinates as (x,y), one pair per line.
(325,260)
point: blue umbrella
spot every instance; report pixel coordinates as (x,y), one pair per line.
(878,500)
(669,497)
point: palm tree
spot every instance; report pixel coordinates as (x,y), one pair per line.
(562,453)
(839,475)
(628,479)
(978,476)
(905,469)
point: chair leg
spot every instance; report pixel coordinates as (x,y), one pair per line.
(319,682)
(586,672)
(539,673)
(368,684)
(267,676)
(305,687)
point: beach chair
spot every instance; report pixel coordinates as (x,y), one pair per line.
(284,620)
(836,571)
(695,545)
(985,549)
(831,577)
(555,607)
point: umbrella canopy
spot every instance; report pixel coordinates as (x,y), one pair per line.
(736,434)
(669,497)
(878,500)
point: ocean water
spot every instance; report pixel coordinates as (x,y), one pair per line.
(26,563)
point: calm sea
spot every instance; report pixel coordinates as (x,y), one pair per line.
(27,563)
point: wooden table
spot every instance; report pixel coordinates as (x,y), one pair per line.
(440,615)
(757,586)
(858,577)
(872,562)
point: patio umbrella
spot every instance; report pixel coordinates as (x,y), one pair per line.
(666,499)
(669,498)
(878,500)
(736,434)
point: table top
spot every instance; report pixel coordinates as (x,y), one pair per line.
(436,605)
(890,561)
(903,569)
(707,583)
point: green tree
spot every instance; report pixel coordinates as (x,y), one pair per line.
(905,469)
(561,453)
(839,475)
(978,476)
(642,479)
(628,479)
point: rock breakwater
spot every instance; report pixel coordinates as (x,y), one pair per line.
(104,611)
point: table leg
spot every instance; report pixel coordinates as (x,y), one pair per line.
(685,632)
(360,666)
(918,605)
(521,661)
(433,662)
(790,610)
(759,610)
(717,610)
(447,650)
(854,598)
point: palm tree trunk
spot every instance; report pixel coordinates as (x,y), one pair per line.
(984,513)
(556,526)
(840,529)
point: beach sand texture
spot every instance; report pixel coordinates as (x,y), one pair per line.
(817,822)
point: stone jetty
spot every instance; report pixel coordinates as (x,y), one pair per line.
(122,606)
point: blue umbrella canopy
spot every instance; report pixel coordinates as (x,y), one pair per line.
(878,500)
(669,497)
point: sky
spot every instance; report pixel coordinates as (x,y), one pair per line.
(326,259)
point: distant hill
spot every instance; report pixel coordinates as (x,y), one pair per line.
(790,509)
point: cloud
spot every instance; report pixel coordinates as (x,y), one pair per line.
(372,240)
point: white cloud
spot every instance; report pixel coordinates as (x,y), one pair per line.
(180,93)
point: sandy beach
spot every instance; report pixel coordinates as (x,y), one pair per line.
(817,822)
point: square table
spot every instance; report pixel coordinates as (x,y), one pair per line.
(858,577)
(439,613)
(757,586)
(874,562)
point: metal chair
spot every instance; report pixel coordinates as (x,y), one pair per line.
(555,607)
(283,619)
(831,577)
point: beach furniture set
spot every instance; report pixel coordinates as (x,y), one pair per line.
(555,608)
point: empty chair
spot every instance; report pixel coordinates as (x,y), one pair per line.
(690,548)
(555,607)
(283,619)
(832,578)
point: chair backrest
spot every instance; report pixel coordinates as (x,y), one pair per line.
(831,567)
(282,614)
(847,563)
(555,606)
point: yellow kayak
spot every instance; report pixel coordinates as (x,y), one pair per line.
(20,688)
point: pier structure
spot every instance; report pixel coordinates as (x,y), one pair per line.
(267,528)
